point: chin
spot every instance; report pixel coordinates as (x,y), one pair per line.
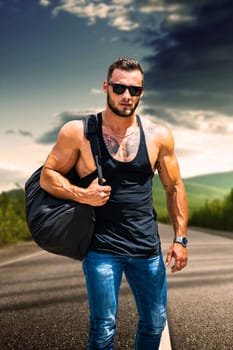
(125,114)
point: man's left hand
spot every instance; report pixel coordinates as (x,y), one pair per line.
(180,256)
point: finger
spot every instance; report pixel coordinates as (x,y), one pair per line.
(176,267)
(169,257)
(104,197)
(184,263)
(179,265)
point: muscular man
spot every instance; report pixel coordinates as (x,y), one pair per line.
(126,238)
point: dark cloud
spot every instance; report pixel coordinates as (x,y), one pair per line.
(49,136)
(64,117)
(191,64)
(10,131)
(25,133)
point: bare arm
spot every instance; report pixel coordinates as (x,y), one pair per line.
(168,169)
(63,157)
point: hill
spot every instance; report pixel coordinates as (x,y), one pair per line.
(199,190)
(219,180)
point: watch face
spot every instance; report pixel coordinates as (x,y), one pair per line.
(181,240)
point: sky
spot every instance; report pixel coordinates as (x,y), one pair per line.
(54,56)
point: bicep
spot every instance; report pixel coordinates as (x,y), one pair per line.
(61,160)
(167,163)
(168,170)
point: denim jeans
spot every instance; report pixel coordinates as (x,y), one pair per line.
(147,279)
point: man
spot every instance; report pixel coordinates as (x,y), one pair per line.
(126,238)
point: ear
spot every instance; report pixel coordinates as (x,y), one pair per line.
(142,93)
(105,86)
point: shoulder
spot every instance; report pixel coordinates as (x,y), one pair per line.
(158,133)
(71,132)
(71,127)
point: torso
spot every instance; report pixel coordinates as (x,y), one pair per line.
(122,149)
(126,224)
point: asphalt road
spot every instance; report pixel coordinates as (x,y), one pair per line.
(43,302)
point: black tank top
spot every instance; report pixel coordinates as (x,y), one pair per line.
(126,224)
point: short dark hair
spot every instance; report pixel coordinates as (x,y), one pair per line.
(124,63)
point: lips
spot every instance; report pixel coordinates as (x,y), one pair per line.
(126,104)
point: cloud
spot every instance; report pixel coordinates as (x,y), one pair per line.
(188,70)
(96,91)
(203,152)
(64,117)
(117,13)
(25,133)
(45,3)
(191,58)
(21,132)
(200,120)
(10,131)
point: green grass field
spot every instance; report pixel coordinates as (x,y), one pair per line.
(199,190)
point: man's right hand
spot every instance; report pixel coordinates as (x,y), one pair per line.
(95,194)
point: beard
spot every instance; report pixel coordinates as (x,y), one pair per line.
(121,113)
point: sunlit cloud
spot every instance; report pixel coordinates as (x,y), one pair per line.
(11,166)
(203,150)
(199,120)
(45,2)
(117,13)
(11,175)
(96,91)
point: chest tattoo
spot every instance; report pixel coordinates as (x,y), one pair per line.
(122,150)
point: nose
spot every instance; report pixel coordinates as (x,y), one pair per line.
(126,93)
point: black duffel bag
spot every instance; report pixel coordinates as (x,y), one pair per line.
(61,226)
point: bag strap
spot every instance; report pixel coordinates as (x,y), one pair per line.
(90,131)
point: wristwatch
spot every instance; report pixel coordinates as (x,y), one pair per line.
(181,240)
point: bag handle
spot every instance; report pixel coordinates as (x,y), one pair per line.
(90,131)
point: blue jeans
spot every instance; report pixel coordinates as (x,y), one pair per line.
(147,279)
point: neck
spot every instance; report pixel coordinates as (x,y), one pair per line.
(118,122)
(119,126)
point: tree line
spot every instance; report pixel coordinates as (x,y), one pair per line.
(216,214)
(13,226)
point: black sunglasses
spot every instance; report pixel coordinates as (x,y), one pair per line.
(120,89)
